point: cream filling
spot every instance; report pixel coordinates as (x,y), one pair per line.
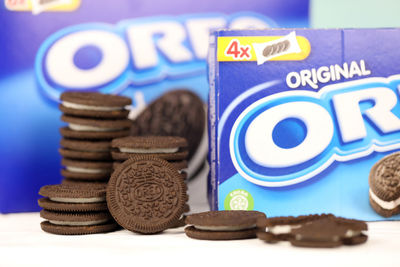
(86,107)
(224,228)
(387,205)
(148,150)
(282,229)
(85,170)
(79,127)
(78,223)
(78,200)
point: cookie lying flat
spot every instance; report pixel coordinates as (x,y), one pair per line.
(177,113)
(92,135)
(323,230)
(95,125)
(164,147)
(384,182)
(223,225)
(64,197)
(146,195)
(327,233)
(94,104)
(86,170)
(77,223)
(86,150)
(279,228)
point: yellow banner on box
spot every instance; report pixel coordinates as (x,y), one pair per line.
(241,48)
(39,6)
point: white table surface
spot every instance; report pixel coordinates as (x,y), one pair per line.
(23,243)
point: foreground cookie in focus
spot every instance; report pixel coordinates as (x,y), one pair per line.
(146,195)
(223,225)
(323,230)
(384,182)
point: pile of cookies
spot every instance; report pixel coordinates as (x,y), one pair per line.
(94,119)
(149,179)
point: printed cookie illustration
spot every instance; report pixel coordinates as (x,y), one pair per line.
(177,113)
(384,182)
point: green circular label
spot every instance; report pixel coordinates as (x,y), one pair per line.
(239,199)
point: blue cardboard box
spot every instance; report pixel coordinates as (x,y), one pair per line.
(297,118)
(139,49)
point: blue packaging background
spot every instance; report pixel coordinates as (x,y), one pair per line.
(29,117)
(342,188)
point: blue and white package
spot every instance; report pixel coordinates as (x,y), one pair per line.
(297,118)
(139,49)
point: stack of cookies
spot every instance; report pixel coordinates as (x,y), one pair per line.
(75,209)
(94,119)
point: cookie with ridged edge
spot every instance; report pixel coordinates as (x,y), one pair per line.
(384,182)
(78,230)
(48,204)
(192,232)
(90,170)
(85,145)
(178,165)
(97,177)
(72,191)
(87,218)
(84,149)
(180,155)
(223,225)
(111,125)
(80,182)
(112,114)
(95,99)
(64,197)
(84,155)
(146,195)
(94,104)
(150,142)
(176,113)
(92,135)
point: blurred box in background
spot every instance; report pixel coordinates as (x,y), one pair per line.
(138,48)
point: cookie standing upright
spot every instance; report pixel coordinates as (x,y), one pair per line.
(384,182)
(146,195)
(93,120)
(177,113)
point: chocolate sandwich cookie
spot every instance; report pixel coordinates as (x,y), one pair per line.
(86,170)
(95,125)
(180,166)
(146,195)
(73,198)
(384,183)
(177,113)
(323,230)
(327,233)
(279,228)
(223,225)
(165,147)
(69,133)
(63,223)
(86,150)
(94,104)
